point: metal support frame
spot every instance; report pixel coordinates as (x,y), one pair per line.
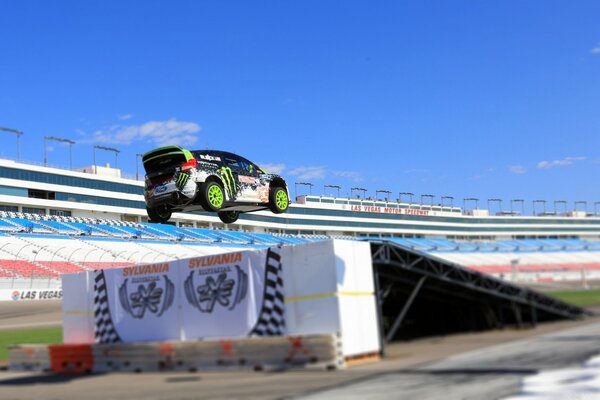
(400,265)
(398,321)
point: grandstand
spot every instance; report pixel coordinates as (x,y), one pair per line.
(55,221)
(103,194)
(36,250)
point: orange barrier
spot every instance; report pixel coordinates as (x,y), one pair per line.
(71,358)
(258,353)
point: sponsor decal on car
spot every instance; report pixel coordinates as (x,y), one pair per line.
(229,180)
(209,157)
(182,179)
(263,194)
(158,189)
(247,179)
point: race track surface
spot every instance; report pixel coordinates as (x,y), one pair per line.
(30,314)
(466,366)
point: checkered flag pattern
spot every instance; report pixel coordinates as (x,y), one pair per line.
(105,329)
(271,320)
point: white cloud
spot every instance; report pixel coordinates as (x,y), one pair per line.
(517,169)
(125,117)
(559,163)
(273,168)
(351,175)
(309,172)
(595,50)
(160,133)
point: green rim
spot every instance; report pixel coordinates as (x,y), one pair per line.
(281,199)
(215,196)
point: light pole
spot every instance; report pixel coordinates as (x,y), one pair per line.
(338,187)
(310,185)
(107,149)
(137,175)
(596,207)
(18,133)
(358,190)
(584,205)
(499,201)
(427,195)
(68,141)
(539,201)
(383,191)
(563,202)
(448,197)
(475,199)
(518,201)
(406,194)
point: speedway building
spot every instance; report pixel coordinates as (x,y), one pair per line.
(97,192)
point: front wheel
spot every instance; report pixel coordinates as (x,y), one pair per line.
(228,217)
(278,200)
(212,196)
(159,215)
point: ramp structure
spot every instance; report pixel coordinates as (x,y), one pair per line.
(424,294)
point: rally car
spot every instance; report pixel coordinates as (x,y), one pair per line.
(209,180)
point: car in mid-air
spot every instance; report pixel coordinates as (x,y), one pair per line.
(178,179)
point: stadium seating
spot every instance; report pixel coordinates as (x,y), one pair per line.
(44,247)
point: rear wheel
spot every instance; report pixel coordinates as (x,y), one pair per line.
(159,214)
(212,196)
(228,217)
(278,200)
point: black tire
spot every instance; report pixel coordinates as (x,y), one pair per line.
(228,217)
(159,215)
(207,190)
(278,200)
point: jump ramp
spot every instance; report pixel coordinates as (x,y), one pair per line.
(326,303)
(275,307)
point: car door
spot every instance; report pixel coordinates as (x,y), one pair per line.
(245,176)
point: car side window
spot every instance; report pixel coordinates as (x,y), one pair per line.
(233,162)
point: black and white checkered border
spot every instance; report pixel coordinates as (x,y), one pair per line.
(105,331)
(271,320)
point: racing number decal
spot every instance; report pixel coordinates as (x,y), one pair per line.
(229,180)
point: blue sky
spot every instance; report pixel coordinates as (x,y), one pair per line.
(460,98)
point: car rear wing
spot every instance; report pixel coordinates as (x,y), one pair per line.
(165,158)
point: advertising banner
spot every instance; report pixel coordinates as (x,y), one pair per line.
(30,294)
(136,303)
(226,295)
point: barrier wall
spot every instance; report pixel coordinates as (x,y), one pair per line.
(328,289)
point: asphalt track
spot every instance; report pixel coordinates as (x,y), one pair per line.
(485,365)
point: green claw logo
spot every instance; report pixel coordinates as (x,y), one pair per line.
(227,176)
(182,179)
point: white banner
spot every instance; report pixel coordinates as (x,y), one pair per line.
(141,302)
(226,295)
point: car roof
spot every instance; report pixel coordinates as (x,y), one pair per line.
(222,152)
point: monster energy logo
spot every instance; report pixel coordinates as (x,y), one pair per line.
(182,179)
(227,176)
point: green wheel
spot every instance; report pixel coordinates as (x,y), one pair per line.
(278,200)
(212,196)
